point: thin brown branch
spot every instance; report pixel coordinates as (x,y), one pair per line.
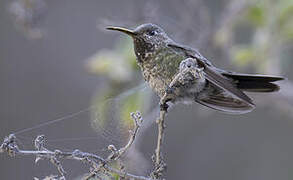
(161,127)
(159,164)
(185,77)
(116,154)
(97,163)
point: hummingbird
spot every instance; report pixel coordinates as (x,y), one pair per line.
(184,75)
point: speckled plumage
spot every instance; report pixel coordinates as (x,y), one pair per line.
(159,68)
(159,58)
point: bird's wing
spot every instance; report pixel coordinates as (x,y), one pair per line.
(189,52)
(225,102)
(252,77)
(212,74)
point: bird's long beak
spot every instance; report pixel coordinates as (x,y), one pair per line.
(121,29)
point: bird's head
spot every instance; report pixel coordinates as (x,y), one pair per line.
(146,37)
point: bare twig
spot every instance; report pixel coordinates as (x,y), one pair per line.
(116,154)
(187,75)
(161,127)
(159,165)
(97,163)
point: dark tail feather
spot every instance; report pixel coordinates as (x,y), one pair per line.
(255,86)
(255,83)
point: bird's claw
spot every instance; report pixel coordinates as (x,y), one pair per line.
(164,106)
(169,90)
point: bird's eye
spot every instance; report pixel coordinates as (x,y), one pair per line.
(152,33)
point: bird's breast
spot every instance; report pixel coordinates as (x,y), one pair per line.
(159,68)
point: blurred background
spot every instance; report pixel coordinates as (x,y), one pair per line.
(56,59)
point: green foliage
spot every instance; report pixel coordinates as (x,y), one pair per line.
(119,67)
(256,15)
(131,104)
(102,108)
(244,55)
(116,176)
(272,28)
(285,22)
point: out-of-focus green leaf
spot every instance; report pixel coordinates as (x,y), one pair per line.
(222,36)
(125,48)
(116,176)
(101,111)
(286,15)
(118,64)
(243,56)
(111,65)
(285,20)
(139,100)
(120,68)
(132,104)
(256,15)
(289,33)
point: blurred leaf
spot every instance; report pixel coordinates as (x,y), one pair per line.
(286,15)
(285,22)
(222,36)
(118,65)
(256,15)
(100,113)
(130,104)
(111,65)
(125,48)
(120,68)
(118,106)
(116,176)
(243,56)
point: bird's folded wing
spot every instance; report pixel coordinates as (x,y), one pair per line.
(252,77)
(212,75)
(224,102)
(221,82)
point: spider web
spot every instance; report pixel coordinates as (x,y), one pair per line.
(110,131)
